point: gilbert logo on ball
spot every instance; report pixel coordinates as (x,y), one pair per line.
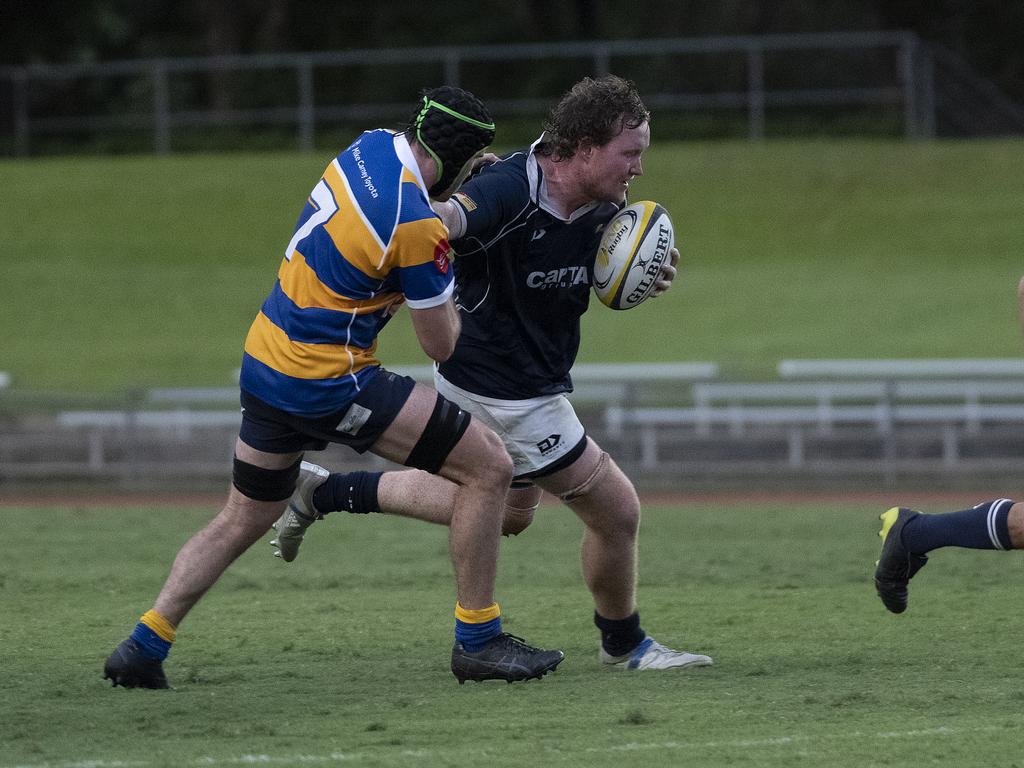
(635,243)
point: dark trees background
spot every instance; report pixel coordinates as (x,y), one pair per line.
(989,34)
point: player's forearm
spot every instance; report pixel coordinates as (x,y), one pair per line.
(437,330)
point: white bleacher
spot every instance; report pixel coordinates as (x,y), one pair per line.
(956,396)
(608,383)
(648,407)
(964,368)
(592,372)
(965,396)
(595,382)
(795,422)
(182,411)
(620,383)
(191,395)
(181,419)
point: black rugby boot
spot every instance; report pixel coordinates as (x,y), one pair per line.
(896,565)
(130,667)
(505,657)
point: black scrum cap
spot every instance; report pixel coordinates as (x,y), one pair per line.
(452,125)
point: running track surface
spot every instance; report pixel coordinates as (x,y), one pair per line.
(725,498)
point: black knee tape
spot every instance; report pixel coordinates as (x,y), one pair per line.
(264,484)
(446,426)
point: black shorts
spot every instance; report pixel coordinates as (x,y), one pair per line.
(358,425)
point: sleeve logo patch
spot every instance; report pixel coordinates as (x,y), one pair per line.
(442,257)
(466,201)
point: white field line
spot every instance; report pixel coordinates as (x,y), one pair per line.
(424,754)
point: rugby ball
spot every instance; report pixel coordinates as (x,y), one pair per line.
(634,245)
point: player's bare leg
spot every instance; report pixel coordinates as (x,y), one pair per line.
(605,500)
(611,516)
(421,496)
(481,470)
(520,508)
(1016,523)
(208,553)
(410,493)
(196,568)
(418,495)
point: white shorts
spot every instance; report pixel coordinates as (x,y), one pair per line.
(537,432)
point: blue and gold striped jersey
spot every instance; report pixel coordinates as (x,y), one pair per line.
(366,241)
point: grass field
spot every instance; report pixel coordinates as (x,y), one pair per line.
(341,657)
(143,271)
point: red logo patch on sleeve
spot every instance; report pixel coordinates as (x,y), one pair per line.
(442,256)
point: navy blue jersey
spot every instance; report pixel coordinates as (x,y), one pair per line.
(522,282)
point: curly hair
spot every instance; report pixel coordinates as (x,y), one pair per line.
(594,111)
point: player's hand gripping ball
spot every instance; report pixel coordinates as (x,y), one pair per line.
(635,244)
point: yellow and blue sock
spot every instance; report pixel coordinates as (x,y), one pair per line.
(474,628)
(985,526)
(154,634)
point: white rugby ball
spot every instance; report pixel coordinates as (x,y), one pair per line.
(635,243)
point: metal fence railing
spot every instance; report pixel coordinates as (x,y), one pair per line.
(940,421)
(301,93)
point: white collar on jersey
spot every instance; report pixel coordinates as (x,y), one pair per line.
(404,152)
(539,190)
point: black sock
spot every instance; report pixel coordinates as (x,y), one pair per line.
(348,492)
(619,636)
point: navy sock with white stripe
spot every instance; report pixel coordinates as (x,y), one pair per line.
(985,526)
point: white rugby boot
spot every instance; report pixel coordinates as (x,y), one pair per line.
(651,654)
(301,513)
